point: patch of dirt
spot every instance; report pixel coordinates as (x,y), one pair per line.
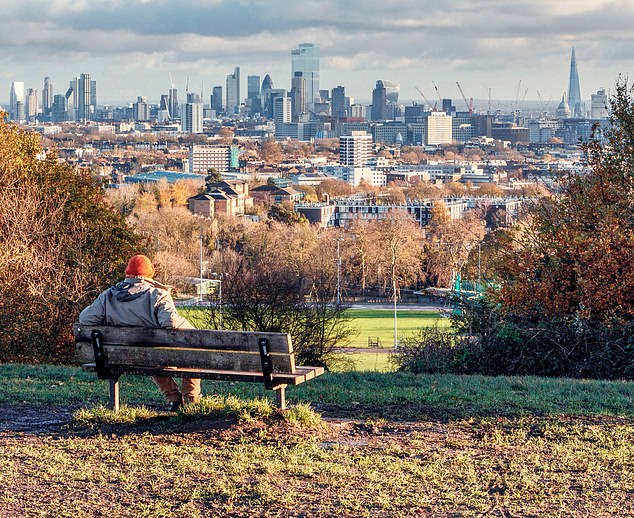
(35,418)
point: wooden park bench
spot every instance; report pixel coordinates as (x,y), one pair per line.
(266,358)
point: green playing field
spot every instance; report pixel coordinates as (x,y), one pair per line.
(370,324)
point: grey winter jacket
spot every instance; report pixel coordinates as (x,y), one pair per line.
(135,302)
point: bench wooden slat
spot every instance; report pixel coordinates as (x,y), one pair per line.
(190,338)
(302,374)
(184,357)
(194,353)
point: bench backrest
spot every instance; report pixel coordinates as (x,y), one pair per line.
(186,348)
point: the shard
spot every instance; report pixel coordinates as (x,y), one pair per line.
(574,92)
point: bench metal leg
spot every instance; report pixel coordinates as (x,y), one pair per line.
(280,396)
(114,395)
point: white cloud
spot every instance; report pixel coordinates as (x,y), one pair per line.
(479,41)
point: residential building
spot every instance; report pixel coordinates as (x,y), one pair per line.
(227,197)
(192,117)
(271,194)
(173,103)
(346,211)
(222,159)
(355,149)
(81,97)
(141,109)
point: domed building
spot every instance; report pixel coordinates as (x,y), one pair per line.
(563,110)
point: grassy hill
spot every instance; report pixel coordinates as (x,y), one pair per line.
(373,444)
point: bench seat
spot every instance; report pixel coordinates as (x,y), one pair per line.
(261,357)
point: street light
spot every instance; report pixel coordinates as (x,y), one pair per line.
(338,273)
(219,275)
(395,326)
(201,236)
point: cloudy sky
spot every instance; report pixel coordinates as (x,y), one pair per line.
(515,48)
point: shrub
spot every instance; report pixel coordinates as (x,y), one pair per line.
(487,343)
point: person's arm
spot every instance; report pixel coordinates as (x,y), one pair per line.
(95,314)
(168,316)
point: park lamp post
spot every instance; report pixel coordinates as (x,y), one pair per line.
(201,236)
(219,275)
(338,272)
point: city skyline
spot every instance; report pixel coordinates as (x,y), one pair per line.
(131,48)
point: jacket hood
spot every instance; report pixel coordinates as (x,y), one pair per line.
(132,288)
(127,290)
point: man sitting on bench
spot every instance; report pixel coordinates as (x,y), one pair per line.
(139,300)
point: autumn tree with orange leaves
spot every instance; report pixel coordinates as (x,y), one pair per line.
(574,256)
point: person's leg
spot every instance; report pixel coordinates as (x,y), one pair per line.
(191,390)
(168,388)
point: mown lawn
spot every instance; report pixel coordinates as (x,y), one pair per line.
(379,323)
(386,444)
(365,323)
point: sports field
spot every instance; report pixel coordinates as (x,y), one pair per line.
(370,324)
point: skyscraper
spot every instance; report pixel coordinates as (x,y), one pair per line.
(81,96)
(93,96)
(305,59)
(233,91)
(47,96)
(267,104)
(282,110)
(574,92)
(298,96)
(216,99)
(172,102)
(253,94)
(192,117)
(379,102)
(141,109)
(338,96)
(31,104)
(16,101)
(59,108)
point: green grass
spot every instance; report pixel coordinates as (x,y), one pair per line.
(353,444)
(365,323)
(364,394)
(412,446)
(380,323)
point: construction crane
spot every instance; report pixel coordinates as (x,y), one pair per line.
(543,106)
(517,94)
(426,100)
(437,92)
(464,97)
